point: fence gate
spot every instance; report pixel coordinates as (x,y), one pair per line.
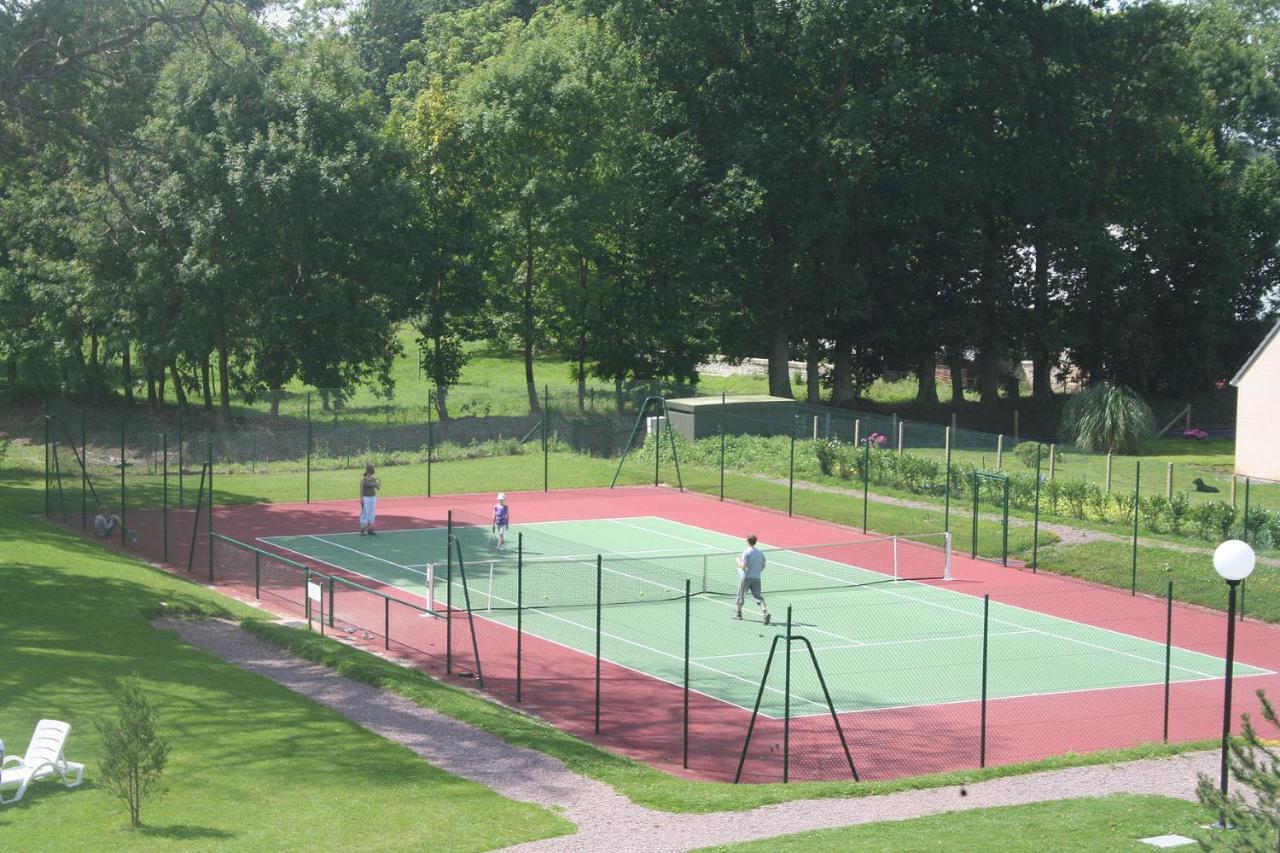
(992,488)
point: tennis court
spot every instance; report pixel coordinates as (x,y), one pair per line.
(890,631)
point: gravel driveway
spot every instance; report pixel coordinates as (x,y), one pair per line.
(607,820)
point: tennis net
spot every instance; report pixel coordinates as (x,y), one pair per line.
(626,579)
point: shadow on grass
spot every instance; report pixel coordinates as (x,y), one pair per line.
(184,832)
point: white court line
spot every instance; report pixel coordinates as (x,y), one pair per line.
(879,589)
(651,649)
(365,554)
(874,645)
(346,569)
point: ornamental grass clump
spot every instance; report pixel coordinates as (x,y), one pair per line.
(1109,419)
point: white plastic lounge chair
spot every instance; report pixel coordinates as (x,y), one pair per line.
(43,759)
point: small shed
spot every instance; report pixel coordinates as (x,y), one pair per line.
(1258,411)
(752,414)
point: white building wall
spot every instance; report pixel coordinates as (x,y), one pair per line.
(1258,416)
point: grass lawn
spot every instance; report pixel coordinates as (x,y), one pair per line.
(252,764)
(1115,822)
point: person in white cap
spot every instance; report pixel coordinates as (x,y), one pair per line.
(501,519)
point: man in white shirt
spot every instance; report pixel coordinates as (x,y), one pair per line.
(750,568)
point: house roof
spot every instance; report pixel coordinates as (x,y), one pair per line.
(1257,353)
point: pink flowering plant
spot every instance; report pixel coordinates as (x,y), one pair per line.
(1197,434)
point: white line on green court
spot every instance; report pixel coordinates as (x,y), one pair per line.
(1028,628)
(875,645)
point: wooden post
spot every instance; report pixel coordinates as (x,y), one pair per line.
(815,427)
(1108,472)
(1168,483)
(1000,451)
(857,434)
(1016,433)
(902,429)
(1053,458)
(1233,491)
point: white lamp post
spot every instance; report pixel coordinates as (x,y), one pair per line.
(1233,560)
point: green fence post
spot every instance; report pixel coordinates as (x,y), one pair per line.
(946,491)
(1168,655)
(973,542)
(84,475)
(209,520)
(164,488)
(386,622)
(448,598)
(308,447)
(331,608)
(546,447)
(599,609)
(1137,499)
(723,406)
(866,479)
(124,524)
(430,445)
(47,496)
(257,574)
(1035,520)
(181,493)
(982,731)
(657,447)
(791,468)
(786,708)
(519,615)
(688,600)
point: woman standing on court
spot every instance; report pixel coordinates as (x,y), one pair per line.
(369,486)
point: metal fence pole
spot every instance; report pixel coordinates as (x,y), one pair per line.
(430,442)
(599,611)
(1168,655)
(308,447)
(1035,518)
(786,708)
(83,475)
(723,406)
(982,731)
(866,479)
(688,601)
(791,469)
(946,491)
(448,598)
(973,542)
(124,525)
(519,616)
(257,574)
(181,493)
(164,488)
(47,496)
(386,622)
(546,445)
(209,521)
(1137,499)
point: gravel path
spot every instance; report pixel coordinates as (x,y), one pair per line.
(608,821)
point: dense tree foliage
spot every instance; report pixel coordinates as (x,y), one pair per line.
(219,204)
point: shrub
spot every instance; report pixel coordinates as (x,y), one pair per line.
(133,756)
(1107,417)
(1213,519)
(1254,817)
(1153,510)
(1027,451)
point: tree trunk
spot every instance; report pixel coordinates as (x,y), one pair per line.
(985,366)
(779,358)
(582,376)
(224,376)
(152,404)
(956,363)
(126,374)
(927,389)
(1012,382)
(1042,357)
(527,324)
(206,383)
(842,373)
(812,356)
(617,395)
(11,368)
(179,393)
(275,395)
(93,366)
(160,383)
(442,402)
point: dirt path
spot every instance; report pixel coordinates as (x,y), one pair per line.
(607,820)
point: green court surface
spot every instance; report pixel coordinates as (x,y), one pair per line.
(882,643)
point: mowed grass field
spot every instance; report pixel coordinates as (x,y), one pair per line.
(253,765)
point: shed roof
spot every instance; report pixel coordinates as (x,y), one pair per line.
(1257,353)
